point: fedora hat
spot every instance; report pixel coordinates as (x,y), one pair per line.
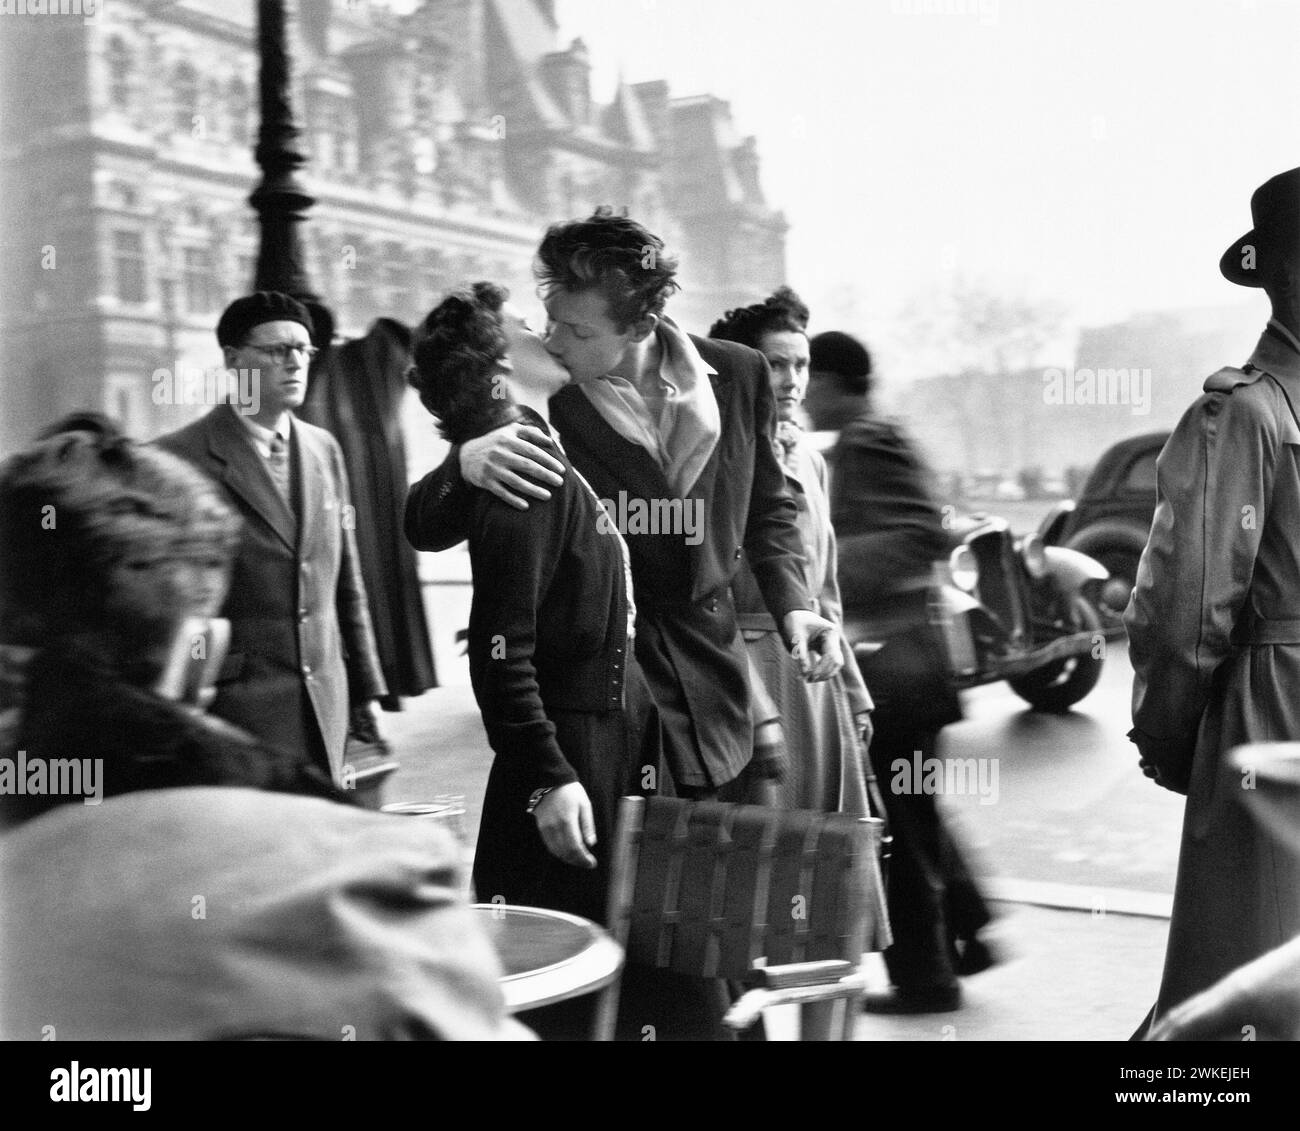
(1275,209)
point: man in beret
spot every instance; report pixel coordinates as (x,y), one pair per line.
(302,651)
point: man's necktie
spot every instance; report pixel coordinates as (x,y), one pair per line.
(279,466)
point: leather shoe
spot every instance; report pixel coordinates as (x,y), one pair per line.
(976,957)
(897,999)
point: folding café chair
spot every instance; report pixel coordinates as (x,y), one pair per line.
(784,901)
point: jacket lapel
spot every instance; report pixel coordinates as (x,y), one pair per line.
(244,473)
(315,501)
(629,465)
(723,388)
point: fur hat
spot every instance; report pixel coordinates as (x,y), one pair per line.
(244,314)
(78,504)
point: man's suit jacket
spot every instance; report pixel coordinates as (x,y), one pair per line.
(687,640)
(301,648)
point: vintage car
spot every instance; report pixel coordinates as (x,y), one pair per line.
(1111,519)
(1011,608)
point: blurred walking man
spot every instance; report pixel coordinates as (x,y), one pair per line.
(890,532)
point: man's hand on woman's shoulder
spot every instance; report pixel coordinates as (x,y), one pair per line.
(508,460)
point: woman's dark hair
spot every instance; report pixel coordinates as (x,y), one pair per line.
(782,311)
(614,255)
(458,350)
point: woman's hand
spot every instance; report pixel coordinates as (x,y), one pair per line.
(568,828)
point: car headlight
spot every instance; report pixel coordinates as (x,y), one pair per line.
(964,568)
(1034,555)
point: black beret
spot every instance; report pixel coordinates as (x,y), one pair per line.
(838,352)
(245,313)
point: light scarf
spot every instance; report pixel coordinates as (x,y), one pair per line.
(687,431)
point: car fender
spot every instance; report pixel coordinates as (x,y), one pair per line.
(1049,530)
(1071,570)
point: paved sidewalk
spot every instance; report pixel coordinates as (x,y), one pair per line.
(1067,974)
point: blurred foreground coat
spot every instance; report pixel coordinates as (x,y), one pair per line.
(356,394)
(1214,631)
(222,913)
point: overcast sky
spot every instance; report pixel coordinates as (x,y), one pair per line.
(1096,153)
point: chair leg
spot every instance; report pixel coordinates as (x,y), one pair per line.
(816,1020)
(852,1010)
(606,1019)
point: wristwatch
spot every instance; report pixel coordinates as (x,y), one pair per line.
(535,798)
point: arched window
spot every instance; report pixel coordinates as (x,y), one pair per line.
(237,106)
(185,85)
(119,74)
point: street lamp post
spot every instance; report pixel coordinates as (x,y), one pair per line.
(280,200)
(282,203)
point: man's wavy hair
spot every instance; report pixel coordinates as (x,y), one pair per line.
(614,255)
(782,311)
(458,349)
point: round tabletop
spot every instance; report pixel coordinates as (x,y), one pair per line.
(548,956)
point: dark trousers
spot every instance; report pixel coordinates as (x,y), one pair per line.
(932,895)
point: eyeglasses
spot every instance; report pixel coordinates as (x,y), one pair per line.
(279,352)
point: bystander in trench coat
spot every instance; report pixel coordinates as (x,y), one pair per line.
(1214,631)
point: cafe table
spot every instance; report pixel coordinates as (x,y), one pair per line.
(548,956)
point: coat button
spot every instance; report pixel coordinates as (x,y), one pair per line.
(306,670)
(302,616)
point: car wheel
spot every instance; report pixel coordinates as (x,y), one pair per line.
(1058,686)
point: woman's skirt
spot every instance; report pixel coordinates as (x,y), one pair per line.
(821,735)
(615,753)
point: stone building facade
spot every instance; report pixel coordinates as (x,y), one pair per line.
(439,142)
